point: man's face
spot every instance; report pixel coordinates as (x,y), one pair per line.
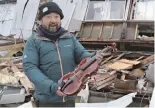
(51,22)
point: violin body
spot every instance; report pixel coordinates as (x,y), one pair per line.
(74,81)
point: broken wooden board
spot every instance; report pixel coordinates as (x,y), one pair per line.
(119,66)
(139,73)
(100,81)
(134,62)
(106,84)
(122,64)
(147,60)
(22,78)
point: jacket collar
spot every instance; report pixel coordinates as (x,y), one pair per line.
(65,35)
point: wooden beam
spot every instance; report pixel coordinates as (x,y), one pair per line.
(12,46)
(147,60)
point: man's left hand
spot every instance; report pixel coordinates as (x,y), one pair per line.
(100,55)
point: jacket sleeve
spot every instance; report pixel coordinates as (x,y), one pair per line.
(32,71)
(80,52)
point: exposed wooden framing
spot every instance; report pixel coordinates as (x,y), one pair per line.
(82,28)
(113,25)
(101,31)
(140,21)
(91,29)
(102,21)
(135,37)
(124,31)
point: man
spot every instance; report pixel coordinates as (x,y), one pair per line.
(50,53)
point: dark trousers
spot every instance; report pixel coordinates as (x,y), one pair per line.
(69,103)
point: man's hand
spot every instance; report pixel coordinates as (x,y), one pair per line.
(100,55)
(59,93)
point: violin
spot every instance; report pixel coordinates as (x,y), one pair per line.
(72,83)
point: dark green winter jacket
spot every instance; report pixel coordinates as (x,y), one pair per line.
(42,59)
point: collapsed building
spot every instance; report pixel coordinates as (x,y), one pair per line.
(96,23)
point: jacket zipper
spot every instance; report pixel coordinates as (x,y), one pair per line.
(61,68)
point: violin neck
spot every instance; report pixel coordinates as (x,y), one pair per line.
(88,63)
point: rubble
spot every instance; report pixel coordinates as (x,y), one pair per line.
(12,75)
(129,71)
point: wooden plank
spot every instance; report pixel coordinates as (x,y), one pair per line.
(147,60)
(123,76)
(119,66)
(121,55)
(22,78)
(109,78)
(111,34)
(137,73)
(139,58)
(123,64)
(134,62)
(104,85)
(106,60)
(12,46)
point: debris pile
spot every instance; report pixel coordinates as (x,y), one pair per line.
(122,72)
(11,74)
